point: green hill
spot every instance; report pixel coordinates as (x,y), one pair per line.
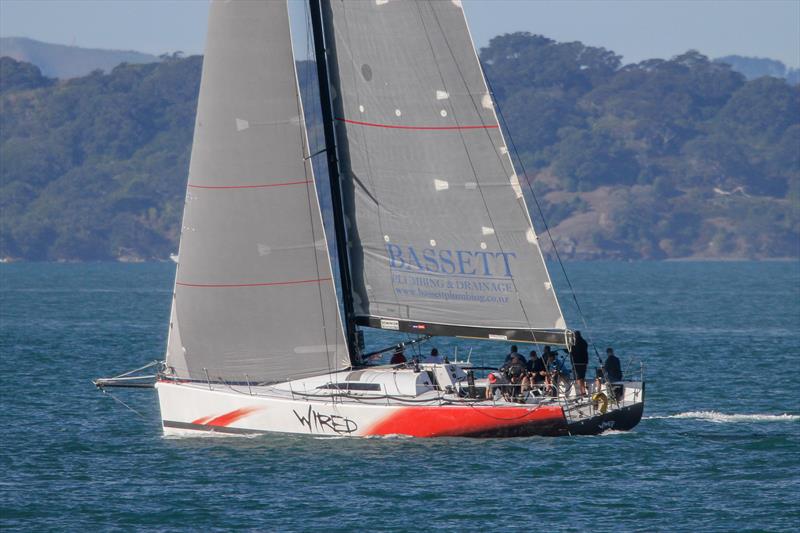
(680,158)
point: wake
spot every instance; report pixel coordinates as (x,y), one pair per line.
(722,418)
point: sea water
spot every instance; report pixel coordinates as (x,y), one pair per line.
(718,448)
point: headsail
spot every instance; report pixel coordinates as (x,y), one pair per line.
(441,239)
(254,296)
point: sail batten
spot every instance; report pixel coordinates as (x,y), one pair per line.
(440,236)
(253,293)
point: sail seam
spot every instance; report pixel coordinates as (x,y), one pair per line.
(419,128)
(259,186)
(267,284)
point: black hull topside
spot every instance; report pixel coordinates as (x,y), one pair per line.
(622,419)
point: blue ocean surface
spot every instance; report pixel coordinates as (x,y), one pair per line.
(717,450)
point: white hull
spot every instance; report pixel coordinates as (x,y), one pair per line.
(301,407)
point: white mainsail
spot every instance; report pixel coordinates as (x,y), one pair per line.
(441,239)
(254,296)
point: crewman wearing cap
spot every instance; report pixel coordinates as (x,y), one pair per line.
(496,381)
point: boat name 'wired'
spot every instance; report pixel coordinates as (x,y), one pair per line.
(461,262)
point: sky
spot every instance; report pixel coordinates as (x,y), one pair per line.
(636,29)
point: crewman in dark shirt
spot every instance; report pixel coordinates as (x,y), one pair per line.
(612,367)
(546,354)
(613,372)
(515,370)
(537,367)
(535,375)
(580,360)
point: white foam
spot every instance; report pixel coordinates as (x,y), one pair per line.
(722,418)
(614,432)
(390,436)
(199,434)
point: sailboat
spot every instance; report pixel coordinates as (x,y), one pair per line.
(432,232)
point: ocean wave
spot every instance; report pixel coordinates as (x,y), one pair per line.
(715,416)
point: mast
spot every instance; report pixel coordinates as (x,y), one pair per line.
(336,190)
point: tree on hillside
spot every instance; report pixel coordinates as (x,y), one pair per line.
(20,76)
(665,100)
(760,111)
(589,159)
(520,60)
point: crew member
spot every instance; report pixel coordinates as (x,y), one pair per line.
(537,366)
(496,383)
(513,353)
(612,367)
(613,371)
(434,357)
(398,357)
(536,374)
(580,360)
(555,372)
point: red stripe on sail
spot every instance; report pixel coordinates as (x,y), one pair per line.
(459,421)
(399,127)
(260,186)
(229,285)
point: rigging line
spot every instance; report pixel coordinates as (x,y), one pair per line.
(129,372)
(309,88)
(314,96)
(463,140)
(124,404)
(541,214)
(307,165)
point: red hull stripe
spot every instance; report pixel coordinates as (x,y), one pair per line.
(428,128)
(460,421)
(227,418)
(230,285)
(261,186)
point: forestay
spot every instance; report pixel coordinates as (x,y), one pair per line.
(441,239)
(254,297)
